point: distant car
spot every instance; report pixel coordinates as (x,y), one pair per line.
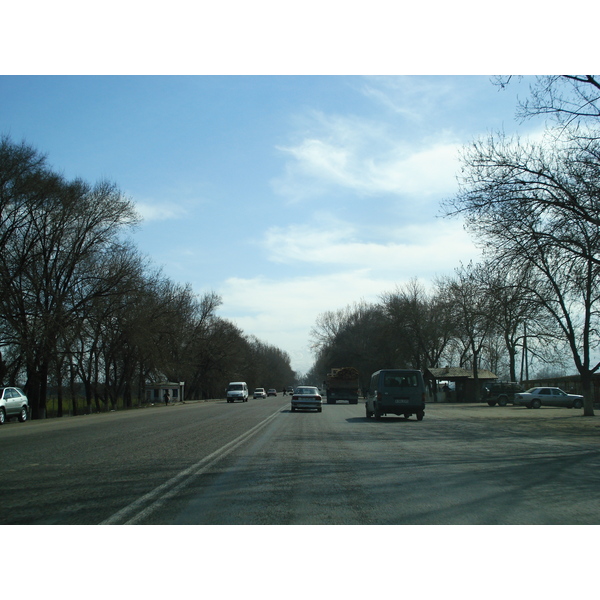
(548,396)
(13,403)
(271,392)
(501,392)
(307,397)
(260,393)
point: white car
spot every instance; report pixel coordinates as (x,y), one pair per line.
(260,393)
(13,403)
(307,397)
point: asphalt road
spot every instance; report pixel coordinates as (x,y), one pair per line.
(259,463)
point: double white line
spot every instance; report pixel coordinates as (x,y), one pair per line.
(144,506)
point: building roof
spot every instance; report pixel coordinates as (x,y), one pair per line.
(452,373)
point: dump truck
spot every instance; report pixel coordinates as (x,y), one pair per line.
(342,384)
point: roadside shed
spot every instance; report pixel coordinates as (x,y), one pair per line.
(463,380)
(155,391)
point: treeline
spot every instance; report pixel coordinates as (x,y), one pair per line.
(474,318)
(80,306)
(534,209)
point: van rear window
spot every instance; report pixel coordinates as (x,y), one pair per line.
(401,379)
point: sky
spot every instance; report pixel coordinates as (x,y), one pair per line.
(287,195)
(291,158)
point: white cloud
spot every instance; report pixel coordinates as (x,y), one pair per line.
(411,250)
(160,212)
(367,158)
(283,311)
(413,98)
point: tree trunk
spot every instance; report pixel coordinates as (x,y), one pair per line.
(588,395)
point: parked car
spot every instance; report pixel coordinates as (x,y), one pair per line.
(272,392)
(501,392)
(548,396)
(307,397)
(260,393)
(13,403)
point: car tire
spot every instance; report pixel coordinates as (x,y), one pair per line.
(536,403)
(420,415)
(502,401)
(2,416)
(320,409)
(23,415)
(577,404)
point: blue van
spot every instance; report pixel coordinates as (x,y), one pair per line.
(396,392)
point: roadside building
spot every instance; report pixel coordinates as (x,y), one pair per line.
(463,388)
(154,392)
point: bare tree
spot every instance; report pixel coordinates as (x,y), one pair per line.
(536,208)
(421,323)
(52,232)
(471,310)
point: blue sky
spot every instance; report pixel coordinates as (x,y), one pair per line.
(287,195)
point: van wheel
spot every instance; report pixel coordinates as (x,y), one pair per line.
(420,415)
(502,401)
(491,403)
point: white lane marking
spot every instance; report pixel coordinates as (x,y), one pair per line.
(150,502)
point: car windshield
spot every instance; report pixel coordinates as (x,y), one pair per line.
(532,390)
(306,390)
(235,387)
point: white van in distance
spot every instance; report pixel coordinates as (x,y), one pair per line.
(237,390)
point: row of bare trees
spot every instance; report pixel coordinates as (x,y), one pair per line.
(81,308)
(475,319)
(534,209)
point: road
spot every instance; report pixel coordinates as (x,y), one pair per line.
(259,463)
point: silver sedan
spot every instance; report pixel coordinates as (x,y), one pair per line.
(307,397)
(548,396)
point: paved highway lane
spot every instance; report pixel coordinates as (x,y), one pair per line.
(259,463)
(461,465)
(85,469)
